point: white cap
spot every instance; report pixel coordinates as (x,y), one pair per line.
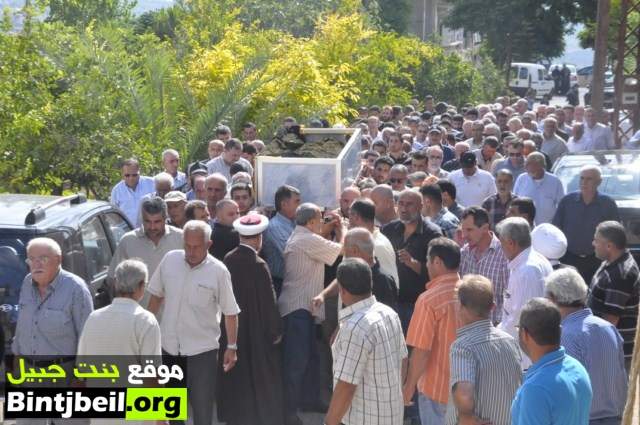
(251,224)
(175,196)
(549,241)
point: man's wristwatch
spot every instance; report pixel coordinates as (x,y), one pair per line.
(232,347)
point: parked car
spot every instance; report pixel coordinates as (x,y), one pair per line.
(523,76)
(87,231)
(585,75)
(620,180)
(609,91)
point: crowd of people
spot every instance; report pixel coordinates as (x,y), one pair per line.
(456,282)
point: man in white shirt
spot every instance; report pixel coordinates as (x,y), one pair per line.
(171,163)
(195,289)
(128,193)
(598,136)
(552,144)
(544,188)
(232,153)
(362,214)
(527,271)
(123,328)
(473,185)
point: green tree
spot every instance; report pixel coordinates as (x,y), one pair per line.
(81,12)
(526,30)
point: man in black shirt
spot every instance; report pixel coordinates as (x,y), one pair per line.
(224,237)
(410,236)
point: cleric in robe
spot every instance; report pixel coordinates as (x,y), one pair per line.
(251,392)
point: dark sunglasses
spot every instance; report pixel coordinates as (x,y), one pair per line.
(132,175)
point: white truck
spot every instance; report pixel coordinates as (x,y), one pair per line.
(525,76)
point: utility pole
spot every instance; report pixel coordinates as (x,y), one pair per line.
(600,57)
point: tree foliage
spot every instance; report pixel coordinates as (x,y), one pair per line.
(524,30)
(77,99)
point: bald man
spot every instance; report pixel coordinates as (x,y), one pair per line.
(410,235)
(348,195)
(382,196)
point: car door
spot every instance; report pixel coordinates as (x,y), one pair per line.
(116,226)
(97,253)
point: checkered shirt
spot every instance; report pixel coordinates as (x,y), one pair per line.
(368,352)
(493,265)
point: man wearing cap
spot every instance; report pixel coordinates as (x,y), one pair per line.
(251,392)
(176,201)
(473,184)
(549,241)
(436,134)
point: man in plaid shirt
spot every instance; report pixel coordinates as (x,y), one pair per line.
(368,354)
(497,205)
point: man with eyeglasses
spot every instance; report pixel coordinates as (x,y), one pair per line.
(436,134)
(398,177)
(514,162)
(54,305)
(128,193)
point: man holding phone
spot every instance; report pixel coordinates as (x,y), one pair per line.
(410,235)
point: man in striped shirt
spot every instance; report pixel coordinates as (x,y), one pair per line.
(615,287)
(485,362)
(592,341)
(432,330)
(368,354)
(307,252)
(482,254)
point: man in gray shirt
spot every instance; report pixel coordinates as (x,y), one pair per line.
(552,144)
(54,305)
(232,153)
(485,361)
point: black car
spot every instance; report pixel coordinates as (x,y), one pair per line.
(620,180)
(88,232)
(609,92)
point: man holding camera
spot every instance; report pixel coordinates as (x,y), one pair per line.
(307,252)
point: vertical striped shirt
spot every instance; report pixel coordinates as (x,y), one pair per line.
(305,256)
(489,359)
(491,264)
(368,352)
(596,344)
(433,328)
(615,290)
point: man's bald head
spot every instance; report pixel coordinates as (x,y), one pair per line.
(359,243)
(348,195)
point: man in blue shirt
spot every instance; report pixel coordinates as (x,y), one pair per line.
(592,341)
(556,388)
(281,225)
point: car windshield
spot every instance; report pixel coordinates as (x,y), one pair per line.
(620,175)
(13,269)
